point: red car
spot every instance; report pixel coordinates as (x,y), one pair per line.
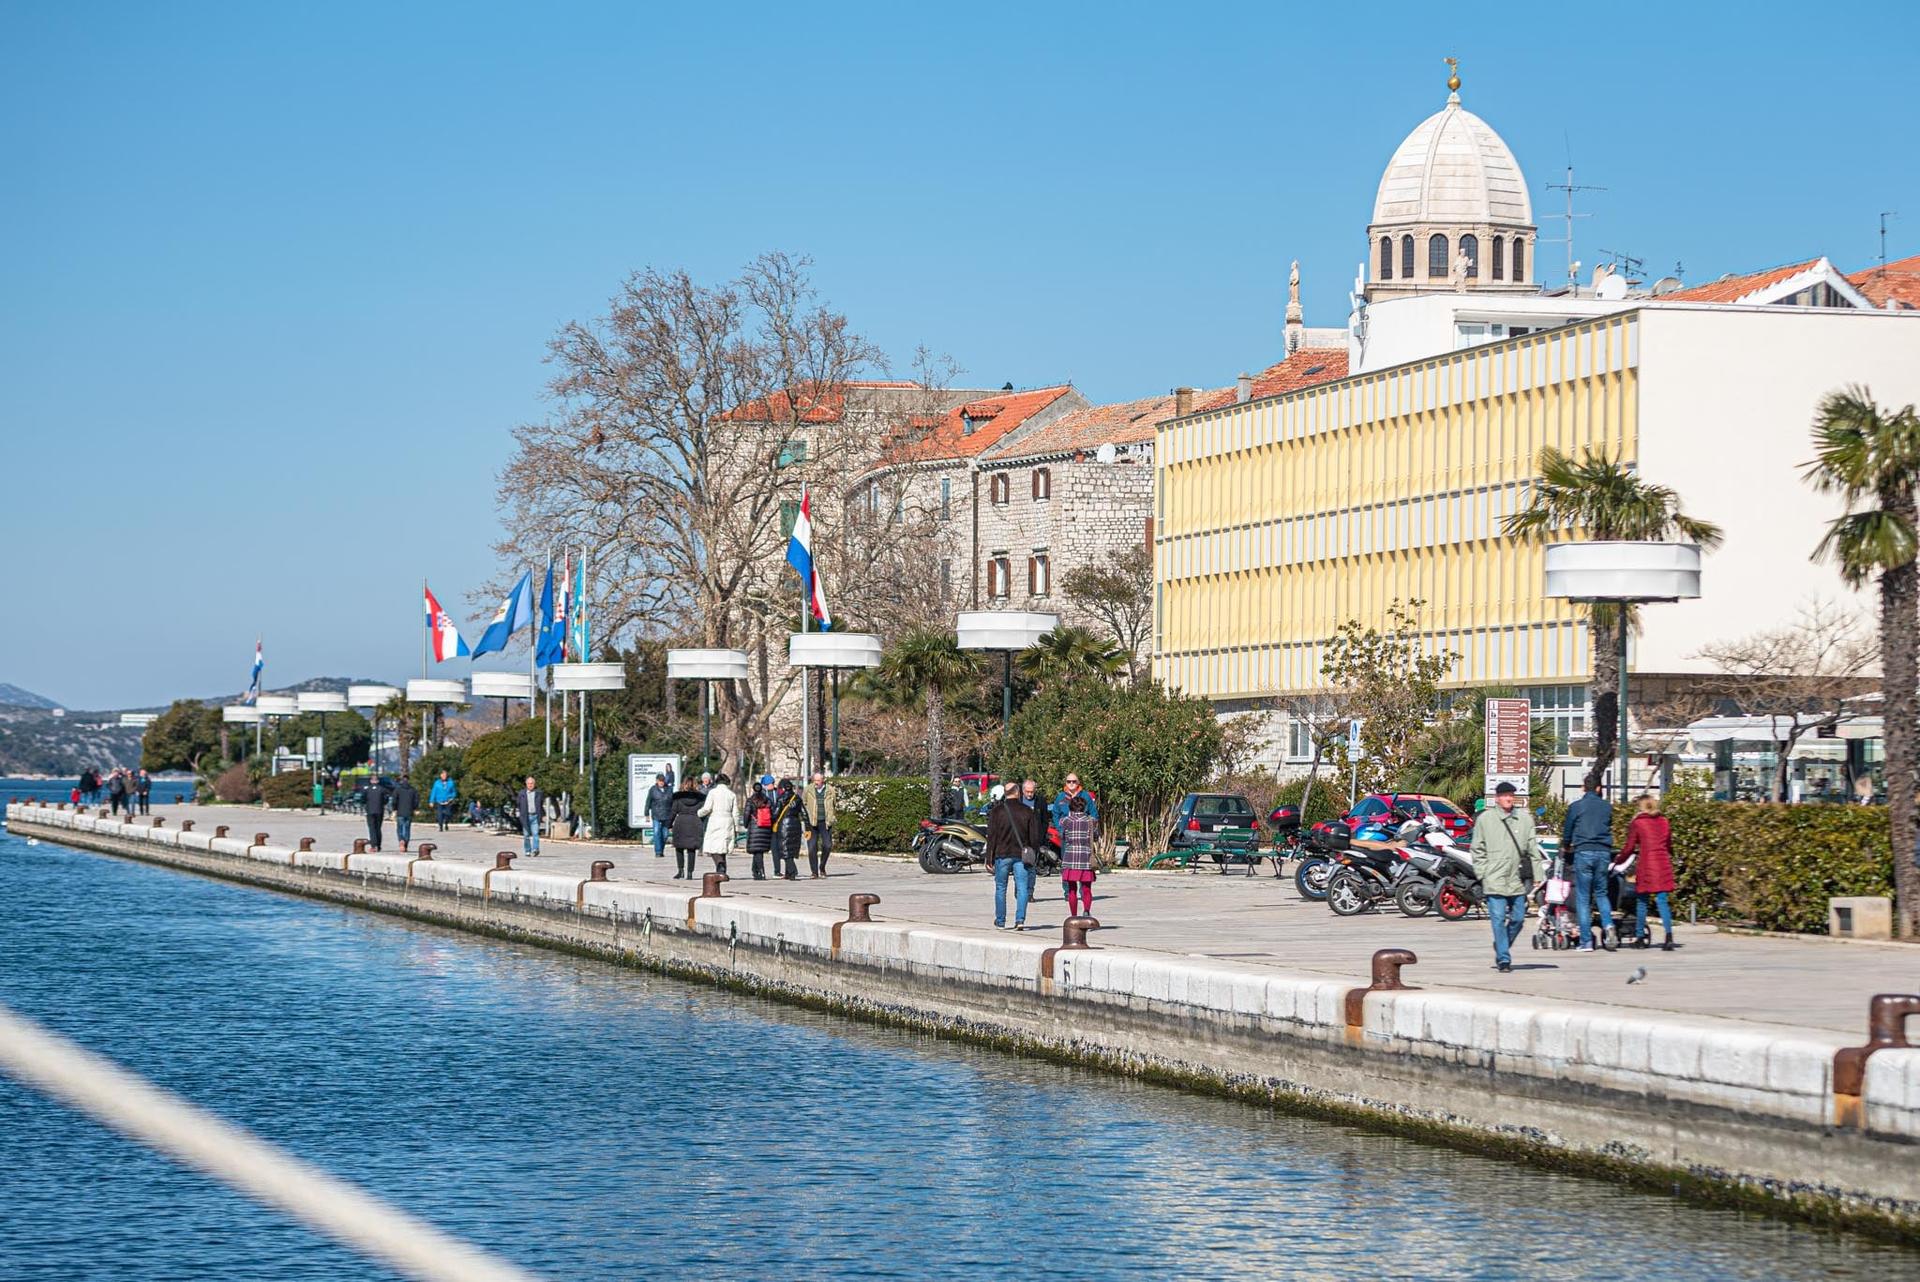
(1375,806)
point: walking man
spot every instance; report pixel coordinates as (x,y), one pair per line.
(377,798)
(145,789)
(1015,831)
(821,802)
(443,794)
(1588,833)
(406,800)
(1504,854)
(117,789)
(531,806)
(660,812)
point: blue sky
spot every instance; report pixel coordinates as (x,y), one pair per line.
(277,279)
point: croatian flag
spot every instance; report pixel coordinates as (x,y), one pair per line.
(800,557)
(515,612)
(447,641)
(259,663)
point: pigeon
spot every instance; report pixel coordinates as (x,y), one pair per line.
(1639,974)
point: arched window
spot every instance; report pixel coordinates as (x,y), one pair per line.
(1406,258)
(1436,257)
(1499,258)
(1386,258)
(1519,258)
(1470,249)
(1042,484)
(997,489)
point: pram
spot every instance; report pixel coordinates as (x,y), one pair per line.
(1557,928)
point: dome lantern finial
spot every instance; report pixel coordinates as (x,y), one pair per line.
(1453,79)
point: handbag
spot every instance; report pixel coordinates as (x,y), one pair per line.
(1028,855)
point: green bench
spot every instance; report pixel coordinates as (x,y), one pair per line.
(1228,846)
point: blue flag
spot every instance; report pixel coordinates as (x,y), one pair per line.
(552,644)
(515,612)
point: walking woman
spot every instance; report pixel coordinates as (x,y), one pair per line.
(1648,856)
(721,809)
(1077,832)
(689,830)
(788,820)
(759,820)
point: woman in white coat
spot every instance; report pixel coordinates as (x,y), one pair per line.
(721,810)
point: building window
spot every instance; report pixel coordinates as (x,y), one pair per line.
(946,580)
(873,498)
(946,498)
(1519,259)
(1470,250)
(790,453)
(1436,257)
(1299,740)
(998,489)
(1042,484)
(1386,258)
(789,513)
(1039,579)
(1406,258)
(1499,258)
(999,577)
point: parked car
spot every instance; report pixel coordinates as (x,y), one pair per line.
(1201,814)
(1376,807)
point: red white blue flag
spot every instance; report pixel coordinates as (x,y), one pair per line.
(800,557)
(446,638)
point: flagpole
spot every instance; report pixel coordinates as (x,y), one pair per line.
(549,716)
(426,623)
(806,694)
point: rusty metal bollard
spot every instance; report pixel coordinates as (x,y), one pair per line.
(426,850)
(1073,931)
(1887,1017)
(259,839)
(359,845)
(601,867)
(1386,978)
(186,825)
(306,843)
(503,861)
(219,831)
(858,907)
(710,885)
(161,822)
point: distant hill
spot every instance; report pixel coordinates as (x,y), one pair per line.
(15,697)
(312,685)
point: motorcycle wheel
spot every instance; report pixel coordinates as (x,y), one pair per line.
(926,860)
(1346,895)
(1415,898)
(1451,903)
(1310,878)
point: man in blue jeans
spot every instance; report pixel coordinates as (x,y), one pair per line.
(1588,834)
(1015,827)
(660,812)
(1504,854)
(530,805)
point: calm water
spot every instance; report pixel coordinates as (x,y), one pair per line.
(592,1123)
(165,791)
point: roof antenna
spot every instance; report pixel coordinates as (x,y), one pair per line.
(1884,215)
(1569,186)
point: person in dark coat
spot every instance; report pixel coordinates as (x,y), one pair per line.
(117,791)
(1648,855)
(788,821)
(378,797)
(1015,832)
(759,820)
(531,805)
(144,786)
(406,800)
(689,830)
(660,812)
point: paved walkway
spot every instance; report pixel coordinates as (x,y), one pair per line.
(1259,920)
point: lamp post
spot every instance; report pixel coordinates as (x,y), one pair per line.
(1623,573)
(587,677)
(370,698)
(706,667)
(1005,631)
(242,714)
(833,651)
(322,702)
(503,686)
(276,708)
(437,691)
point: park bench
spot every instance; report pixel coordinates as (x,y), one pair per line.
(1228,846)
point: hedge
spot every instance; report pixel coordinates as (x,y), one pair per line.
(1773,866)
(290,791)
(878,812)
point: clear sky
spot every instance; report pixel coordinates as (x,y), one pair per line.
(275,280)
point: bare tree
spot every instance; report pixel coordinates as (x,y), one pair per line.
(1118,593)
(1803,677)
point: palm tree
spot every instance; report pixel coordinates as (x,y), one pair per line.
(1867,454)
(929,661)
(1605,499)
(1068,653)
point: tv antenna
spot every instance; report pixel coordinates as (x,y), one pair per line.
(1569,187)
(1884,215)
(1625,264)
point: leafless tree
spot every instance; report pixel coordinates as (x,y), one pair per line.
(1118,593)
(1803,677)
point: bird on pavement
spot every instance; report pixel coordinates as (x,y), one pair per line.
(1637,975)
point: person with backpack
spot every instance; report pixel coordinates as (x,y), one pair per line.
(759,828)
(788,820)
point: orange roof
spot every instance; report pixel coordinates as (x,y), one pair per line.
(1306,367)
(1121,424)
(812,403)
(1897,283)
(1731,289)
(973,428)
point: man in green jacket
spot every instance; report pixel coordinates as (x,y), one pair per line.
(1504,854)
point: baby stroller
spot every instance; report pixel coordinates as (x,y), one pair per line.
(1557,928)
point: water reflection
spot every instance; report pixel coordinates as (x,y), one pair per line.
(595,1123)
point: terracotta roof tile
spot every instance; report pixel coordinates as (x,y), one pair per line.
(1306,367)
(1124,423)
(811,404)
(1729,289)
(974,428)
(1897,282)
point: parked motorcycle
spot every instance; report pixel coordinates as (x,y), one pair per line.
(1438,870)
(1365,876)
(954,845)
(1313,852)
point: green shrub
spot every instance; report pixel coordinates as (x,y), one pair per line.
(1773,866)
(878,812)
(496,765)
(610,798)
(1329,799)
(426,770)
(290,791)
(235,786)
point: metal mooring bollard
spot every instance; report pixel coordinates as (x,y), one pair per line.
(601,867)
(1887,1017)
(1073,931)
(186,825)
(503,861)
(1386,977)
(859,906)
(259,838)
(359,845)
(710,885)
(306,843)
(426,850)
(161,822)
(219,831)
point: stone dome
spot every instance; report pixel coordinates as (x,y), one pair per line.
(1453,169)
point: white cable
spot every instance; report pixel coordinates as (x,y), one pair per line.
(142,1111)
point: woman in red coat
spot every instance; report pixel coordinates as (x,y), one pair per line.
(1650,843)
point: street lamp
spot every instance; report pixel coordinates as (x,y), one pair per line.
(322,702)
(371,698)
(834,651)
(1623,573)
(706,667)
(587,677)
(503,686)
(434,690)
(274,707)
(1005,631)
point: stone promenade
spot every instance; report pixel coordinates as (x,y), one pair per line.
(1807,984)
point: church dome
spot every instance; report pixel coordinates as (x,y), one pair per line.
(1453,169)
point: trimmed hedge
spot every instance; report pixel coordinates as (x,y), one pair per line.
(1773,866)
(290,791)
(878,812)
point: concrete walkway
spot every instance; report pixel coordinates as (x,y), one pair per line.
(1256,921)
